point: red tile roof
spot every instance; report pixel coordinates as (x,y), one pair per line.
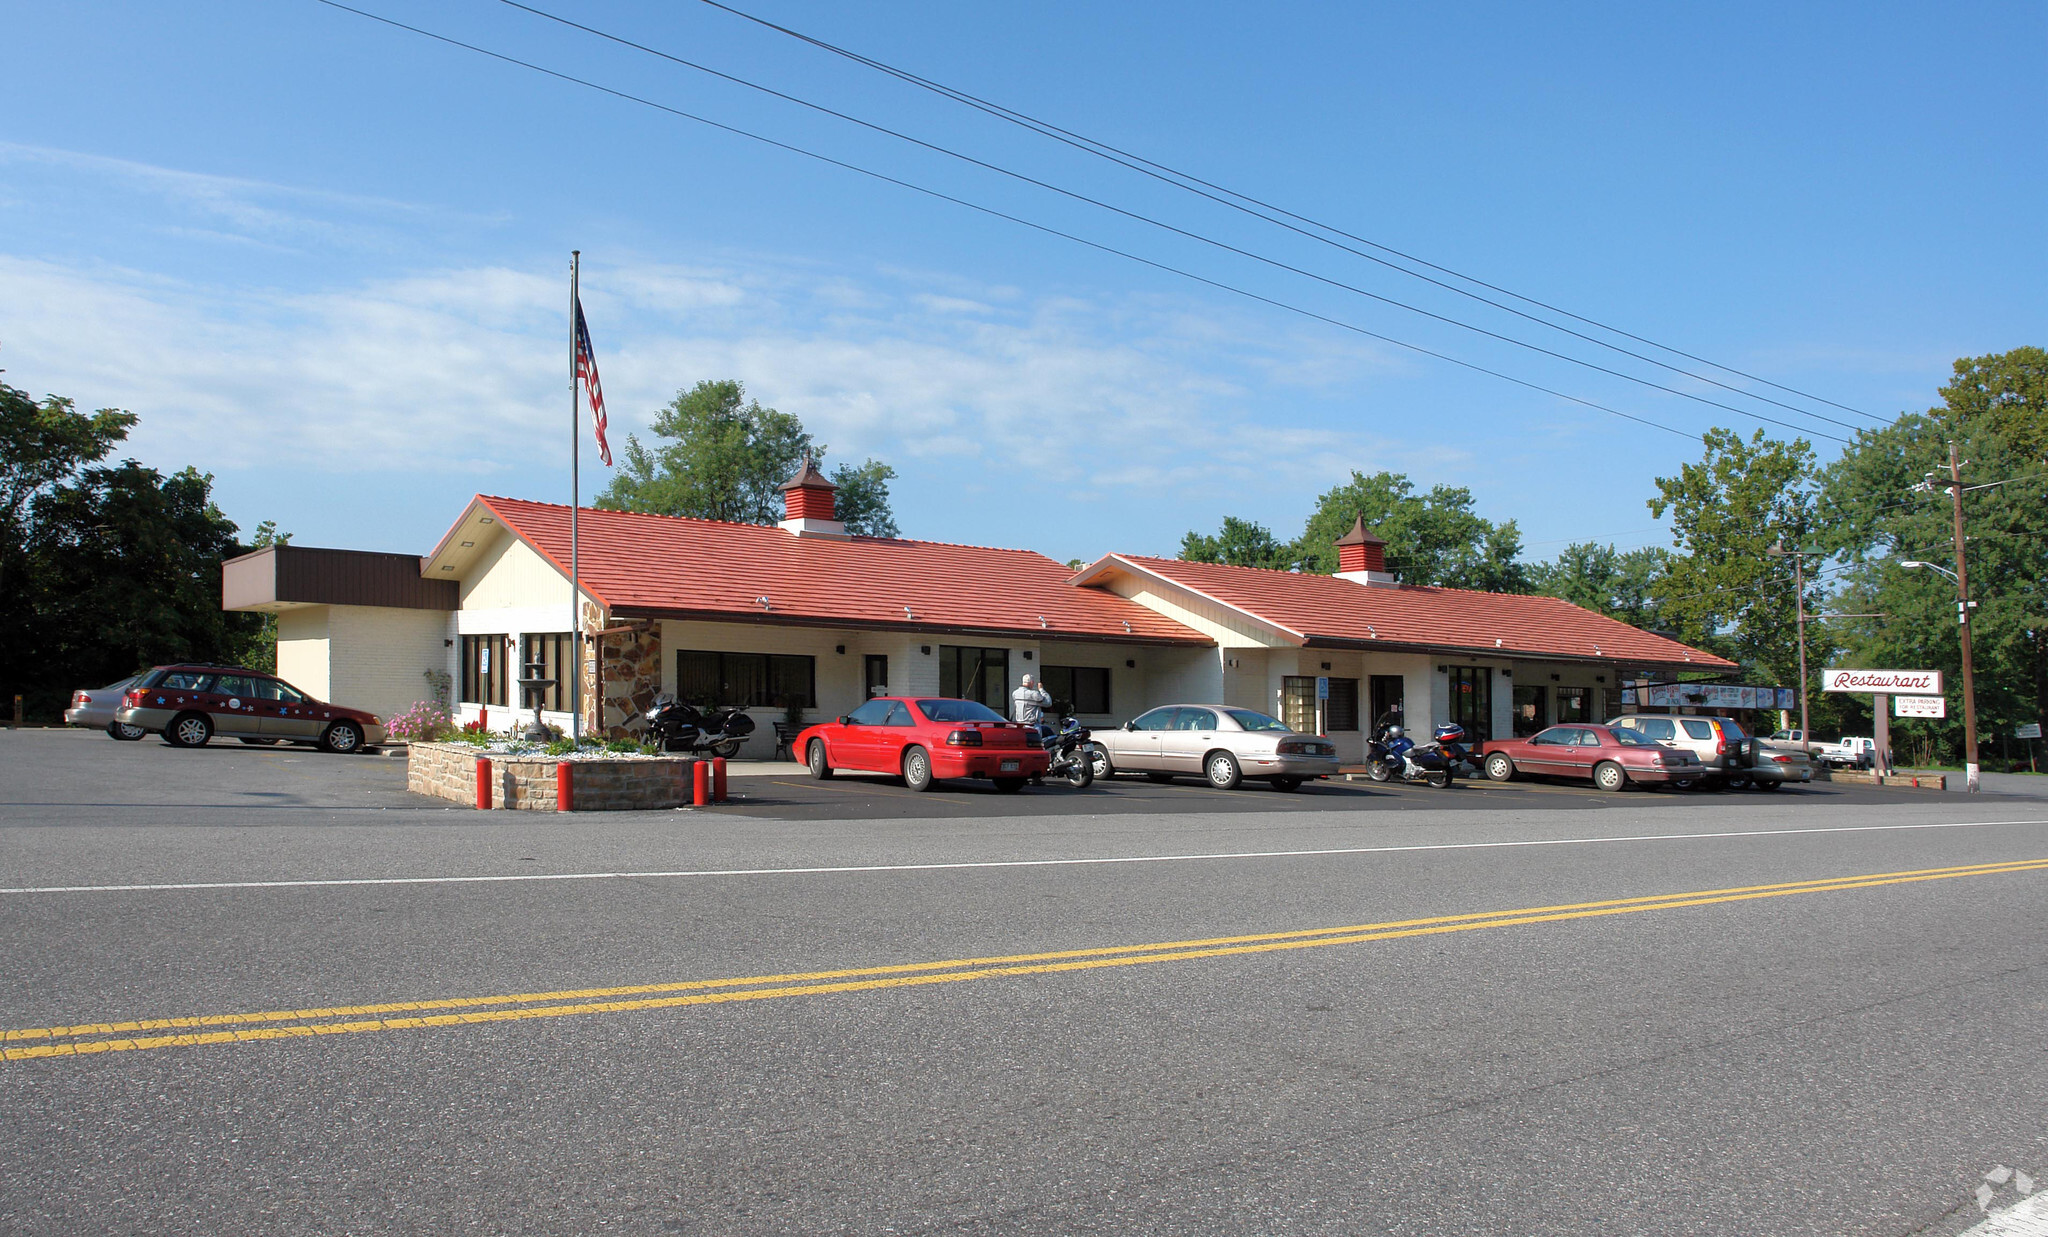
(655,565)
(1327,610)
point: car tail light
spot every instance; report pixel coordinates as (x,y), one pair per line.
(80,699)
(964,738)
(1783,760)
(134,699)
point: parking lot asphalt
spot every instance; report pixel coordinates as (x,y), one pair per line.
(230,777)
(298,999)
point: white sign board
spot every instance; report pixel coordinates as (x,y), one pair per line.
(1896,682)
(1920,706)
(2032,730)
(1711,696)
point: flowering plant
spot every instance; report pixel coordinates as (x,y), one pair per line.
(420,720)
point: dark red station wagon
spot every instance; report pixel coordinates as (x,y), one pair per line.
(188,704)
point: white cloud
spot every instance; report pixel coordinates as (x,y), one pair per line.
(459,369)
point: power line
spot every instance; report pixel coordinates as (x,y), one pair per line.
(1196,236)
(998,214)
(1189,182)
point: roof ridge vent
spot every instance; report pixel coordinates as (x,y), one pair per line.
(808,508)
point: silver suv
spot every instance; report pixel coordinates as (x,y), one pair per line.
(1719,742)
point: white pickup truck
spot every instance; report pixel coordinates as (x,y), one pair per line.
(1852,752)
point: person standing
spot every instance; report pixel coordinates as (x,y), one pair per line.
(1027,707)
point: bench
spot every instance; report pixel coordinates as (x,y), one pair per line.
(785,734)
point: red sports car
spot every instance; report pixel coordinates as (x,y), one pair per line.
(1611,757)
(925,739)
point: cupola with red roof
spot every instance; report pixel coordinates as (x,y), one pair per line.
(808,509)
(1362,557)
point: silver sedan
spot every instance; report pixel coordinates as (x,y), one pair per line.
(1218,742)
(94,708)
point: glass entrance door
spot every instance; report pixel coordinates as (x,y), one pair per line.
(875,677)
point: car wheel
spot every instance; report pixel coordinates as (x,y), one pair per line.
(342,738)
(124,732)
(1009,785)
(1287,783)
(189,730)
(1609,776)
(1499,767)
(1739,783)
(1161,778)
(1098,761)
(814,756)
(1222,771)
(1768,785)
(262,742)
(917,770)
(1683,783)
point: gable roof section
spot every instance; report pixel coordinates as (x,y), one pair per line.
(660,566)
(1324,610)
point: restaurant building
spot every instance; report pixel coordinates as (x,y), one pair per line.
(802,621)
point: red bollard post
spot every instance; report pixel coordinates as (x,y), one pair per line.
(483,783)
(565,786)
(718,779)
(700,783)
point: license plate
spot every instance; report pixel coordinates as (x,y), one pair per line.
(1010,766)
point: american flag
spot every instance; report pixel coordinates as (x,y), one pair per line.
(586,371)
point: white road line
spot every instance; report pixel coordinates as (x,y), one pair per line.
(2025,1218)
(852,869)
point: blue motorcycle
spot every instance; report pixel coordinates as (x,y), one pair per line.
(1393,756)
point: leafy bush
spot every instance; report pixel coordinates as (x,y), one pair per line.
(421,721)
(561,747)
(626,745)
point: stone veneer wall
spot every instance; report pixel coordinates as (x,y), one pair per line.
(527,783)
(631,672)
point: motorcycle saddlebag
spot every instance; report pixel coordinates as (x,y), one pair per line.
(737,724)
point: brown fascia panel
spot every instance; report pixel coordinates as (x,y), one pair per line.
(307,575)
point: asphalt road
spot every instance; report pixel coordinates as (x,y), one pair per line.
(255,990)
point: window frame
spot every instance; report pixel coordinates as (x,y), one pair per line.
(479,687)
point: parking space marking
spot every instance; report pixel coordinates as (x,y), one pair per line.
(344,882)
(89,1039)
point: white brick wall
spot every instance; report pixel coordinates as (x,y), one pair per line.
(381,655)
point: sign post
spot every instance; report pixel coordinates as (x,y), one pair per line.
(2031,732)
(1322,705)
(1884,685)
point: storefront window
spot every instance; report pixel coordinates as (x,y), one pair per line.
(1472,701)
(1387,693)
(483,670)
(1086,687)
(746,680)
(976,674)
(549,653)
(1531,703)
(1571,705)
(1341,711)
(1298,703)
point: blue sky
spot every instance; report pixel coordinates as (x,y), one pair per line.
(327,261)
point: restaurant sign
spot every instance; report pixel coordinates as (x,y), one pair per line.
(1899,682)
(1920,706)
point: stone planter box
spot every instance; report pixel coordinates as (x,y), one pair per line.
(528,783)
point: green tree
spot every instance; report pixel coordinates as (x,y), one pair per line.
(1722,591)
(722,456)
(1617,583)
(43,444)
(1434,538)
(1880,509)
(1240,543)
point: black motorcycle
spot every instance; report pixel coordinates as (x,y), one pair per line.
(673,726)
(1393,756)
(1072,755)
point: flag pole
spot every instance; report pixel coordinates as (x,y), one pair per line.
(575,500)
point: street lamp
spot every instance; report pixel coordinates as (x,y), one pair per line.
(1914,562)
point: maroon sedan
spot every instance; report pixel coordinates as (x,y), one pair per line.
(925,739)
(1612,758)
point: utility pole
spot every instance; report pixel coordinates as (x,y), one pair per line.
(1955,490)
(1798,558)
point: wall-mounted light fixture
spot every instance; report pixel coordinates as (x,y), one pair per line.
(839,648)
(1443,669)
(1506,673)
(1326,665)
(926,649)
(1599,678)
(1027,654)
(1130,663)
(1555,677)
(448,644)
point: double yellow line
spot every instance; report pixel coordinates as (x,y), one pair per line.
(91,1038)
